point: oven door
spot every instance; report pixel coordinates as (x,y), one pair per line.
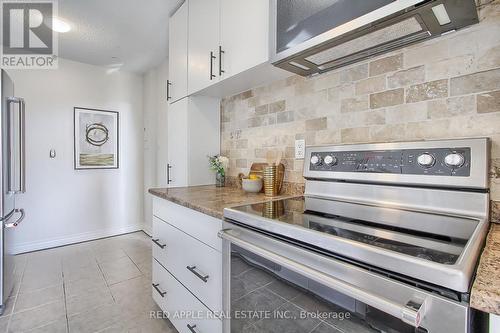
(273,286)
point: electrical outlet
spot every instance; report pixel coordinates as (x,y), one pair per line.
(300,148)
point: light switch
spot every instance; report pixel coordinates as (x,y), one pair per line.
(300,148)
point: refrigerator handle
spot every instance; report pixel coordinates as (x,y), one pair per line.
(16,185)
(22,143)
(19,220)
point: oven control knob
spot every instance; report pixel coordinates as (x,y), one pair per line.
(316,160)
(426,160)
(454,160)
(330,160)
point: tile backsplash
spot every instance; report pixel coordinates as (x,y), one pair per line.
(448,87)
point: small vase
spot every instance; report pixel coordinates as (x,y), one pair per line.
(220,180)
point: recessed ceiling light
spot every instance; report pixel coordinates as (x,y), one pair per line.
(60,25)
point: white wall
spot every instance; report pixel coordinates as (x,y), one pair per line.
(155,135)
(64,205)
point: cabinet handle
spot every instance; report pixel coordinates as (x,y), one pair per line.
(168,174)
(162,293)
(212,57)
(168,90)
(191,328)
(192,269)
(221,52)
(162,246)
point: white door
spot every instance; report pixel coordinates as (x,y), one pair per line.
(203,44)
(244,34)
(178,54)
(177,167)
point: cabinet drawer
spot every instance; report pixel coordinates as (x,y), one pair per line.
(181,306)
(196,265)
(198,225)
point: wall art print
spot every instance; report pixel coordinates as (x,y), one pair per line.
(96,138)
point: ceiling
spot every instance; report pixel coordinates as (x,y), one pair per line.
(128,35)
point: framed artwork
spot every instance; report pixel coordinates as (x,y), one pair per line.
(96,139)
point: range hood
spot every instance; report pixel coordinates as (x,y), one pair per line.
(312,37)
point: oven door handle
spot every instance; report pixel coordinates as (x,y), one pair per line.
(411,313)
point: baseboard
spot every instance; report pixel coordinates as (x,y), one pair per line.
(78,238)
(147,231)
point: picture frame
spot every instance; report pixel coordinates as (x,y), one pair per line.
(96,138)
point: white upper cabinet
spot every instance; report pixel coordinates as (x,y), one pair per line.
(178,55)
(203,44)
(227,38)
(244,34)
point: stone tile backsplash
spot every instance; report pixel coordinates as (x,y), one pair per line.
(448,87)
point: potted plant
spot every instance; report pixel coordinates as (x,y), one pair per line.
(219,164)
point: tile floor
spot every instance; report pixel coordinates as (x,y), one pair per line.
(97,286)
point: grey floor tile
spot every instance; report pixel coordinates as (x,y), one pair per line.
(83,286)
(4,322)
(37,317)
(108,254)
(146,267)
(260,300)
(90,271)
(238,266)
(96,319)
(89,300)
(240,288)
(32,281)
(257,276)
(139,287)
(119,270)
(139,254)
(59,326)
(325,328)
(283,289)
(27,300)
(337,316)
(288,319)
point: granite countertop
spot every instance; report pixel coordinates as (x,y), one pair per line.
(485,294)
(209,199)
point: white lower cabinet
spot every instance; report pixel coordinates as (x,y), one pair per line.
(187,267)
(198,266)
(185,311)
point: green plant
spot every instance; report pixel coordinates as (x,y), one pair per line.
(219,164)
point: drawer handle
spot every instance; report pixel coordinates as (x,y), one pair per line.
(191,328)
(162,246)
(192,269)
(162,293)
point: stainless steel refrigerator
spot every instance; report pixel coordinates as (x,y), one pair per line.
(12,179)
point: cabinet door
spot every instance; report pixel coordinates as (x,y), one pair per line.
(203,44)
(244,34)
(177,172)
(178,54)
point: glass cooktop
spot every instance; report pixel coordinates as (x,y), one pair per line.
(436,238)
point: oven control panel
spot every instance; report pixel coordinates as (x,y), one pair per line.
(433,161)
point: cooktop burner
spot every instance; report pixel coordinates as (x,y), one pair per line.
(383,234)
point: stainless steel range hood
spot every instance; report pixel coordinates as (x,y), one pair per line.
(310,37)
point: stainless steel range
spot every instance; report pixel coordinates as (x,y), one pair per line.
(385,239)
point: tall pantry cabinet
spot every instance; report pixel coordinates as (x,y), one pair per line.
(194,121)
